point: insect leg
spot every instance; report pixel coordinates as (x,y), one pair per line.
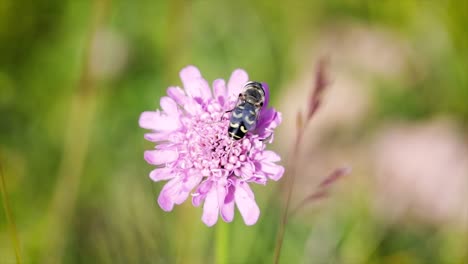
(241,97)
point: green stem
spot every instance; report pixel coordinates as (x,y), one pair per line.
(290,187)
(9,216)
(222,240)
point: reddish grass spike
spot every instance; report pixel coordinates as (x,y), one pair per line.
(334,176)
(321,82)
(313,104)
(322,190)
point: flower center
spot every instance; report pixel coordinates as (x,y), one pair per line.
(209,147)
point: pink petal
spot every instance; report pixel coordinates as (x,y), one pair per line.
(177,95)
(277,174)
(271,156)
(165,203)
(219,89)
(158,157)
(165,200)
(192,179)
(175,191)
(266,117)
(155,137)
(268,120)
(268,167)
(221,191)
(161,174)
(158,121)
(259,179)
(274,171)
(166,146)
(227,210)
(194,84)
(197,199)
(247,170)
(201,192)
(277,120)
(181,195)
(246,203)
(169,106)
(236,83)
(192,107)
(211,208)
(248,190)
(149,119)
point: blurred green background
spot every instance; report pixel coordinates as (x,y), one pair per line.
(75,76)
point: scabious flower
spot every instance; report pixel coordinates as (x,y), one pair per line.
(195,154)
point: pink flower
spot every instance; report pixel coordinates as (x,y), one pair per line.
(196,155)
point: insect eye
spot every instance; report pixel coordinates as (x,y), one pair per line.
(261,104)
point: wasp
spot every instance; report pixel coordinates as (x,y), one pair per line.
(245,114)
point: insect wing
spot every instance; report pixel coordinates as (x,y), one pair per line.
(249,117)
(237,114)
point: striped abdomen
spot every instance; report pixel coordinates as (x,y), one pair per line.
(243,119)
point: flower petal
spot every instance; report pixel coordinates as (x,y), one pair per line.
(177,94)
(157,121)
(211,208)
(169,106)
(176,192)
(201,192)
(269,119)
(272,170)
(165,200)
(161,174)
(227,210)
(246,203)
(221,191)
(270,156)
(192,179)
(156,137)
(219,90)
(266,117)
(181,195)
(165,203)
(194,84)
(158,157)
(149,119)
(247,170)
(238,78)
(193,108)
(197,199)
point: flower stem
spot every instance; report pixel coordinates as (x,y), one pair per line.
(222,240)
(290,186)
(9,216)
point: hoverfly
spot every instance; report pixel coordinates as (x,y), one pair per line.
(245,113)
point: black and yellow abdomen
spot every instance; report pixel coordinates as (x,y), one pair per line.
(242,120)
(237,130)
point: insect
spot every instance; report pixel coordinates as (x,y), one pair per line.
(245,113)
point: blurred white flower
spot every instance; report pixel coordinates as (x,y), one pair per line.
(422,172)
